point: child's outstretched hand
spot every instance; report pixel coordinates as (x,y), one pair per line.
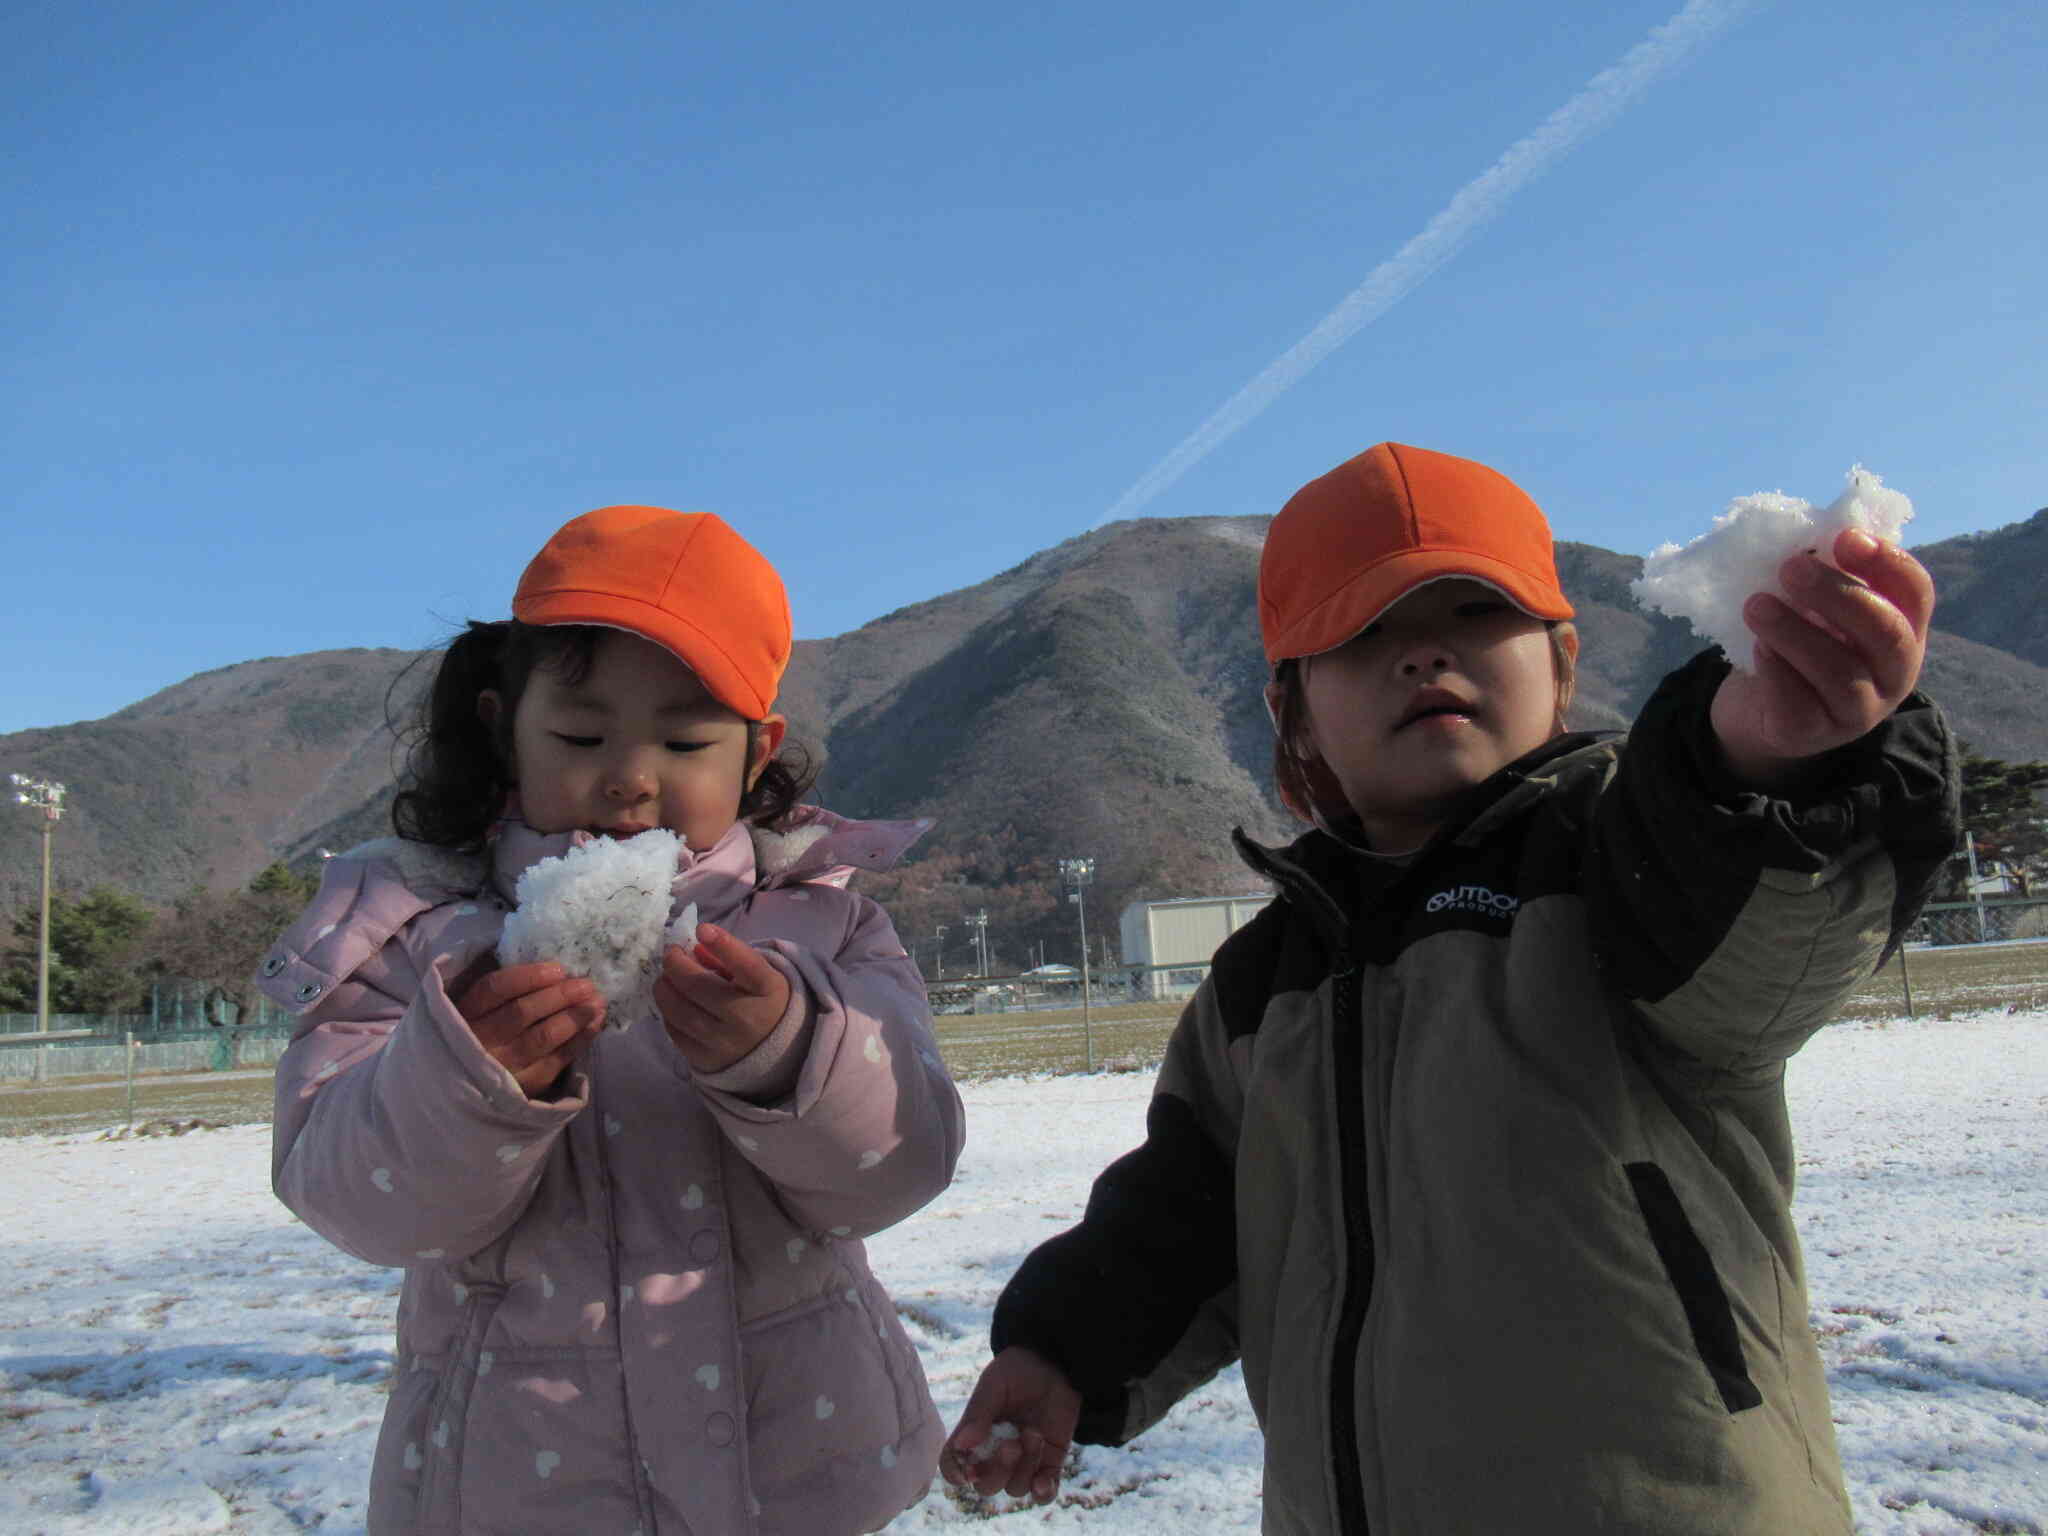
(1832,664)
(719,999)
(1028,1391)
(532,1020)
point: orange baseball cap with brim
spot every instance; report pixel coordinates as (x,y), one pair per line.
(1349,545)
(684,580)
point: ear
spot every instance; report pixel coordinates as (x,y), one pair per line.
(488,704)
(1564,639)
(767,733)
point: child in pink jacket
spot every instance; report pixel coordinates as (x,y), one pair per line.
(636,1297)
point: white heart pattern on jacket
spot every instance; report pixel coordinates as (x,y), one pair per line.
(546,1462)
(381,1177)
(693,1198)
(824,1407)
(708,1376)
(869,1158)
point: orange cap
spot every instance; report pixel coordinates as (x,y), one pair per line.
(684,580)
(1348,546)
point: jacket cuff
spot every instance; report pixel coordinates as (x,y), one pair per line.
(768,1073)
(1894,783)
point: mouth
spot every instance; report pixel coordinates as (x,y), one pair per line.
(1435,704)
(621,832)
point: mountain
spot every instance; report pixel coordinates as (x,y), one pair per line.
(1100,700)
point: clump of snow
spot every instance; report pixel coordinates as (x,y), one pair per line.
(601,910)
(1707,581)
(997,1434)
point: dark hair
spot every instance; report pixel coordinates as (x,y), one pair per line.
(1303,779)
(458,769)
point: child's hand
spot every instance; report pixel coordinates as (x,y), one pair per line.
(533,1020)
(1832,664)
(1029,1391)
(719,1000)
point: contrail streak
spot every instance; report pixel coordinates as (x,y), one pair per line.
(1599,102)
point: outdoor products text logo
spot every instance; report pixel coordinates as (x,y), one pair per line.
(1475,898)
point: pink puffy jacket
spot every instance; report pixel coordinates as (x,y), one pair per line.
(642,1306)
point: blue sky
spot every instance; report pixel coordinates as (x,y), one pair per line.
(319,318)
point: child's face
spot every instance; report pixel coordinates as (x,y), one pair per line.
(637,744)
(1448,685)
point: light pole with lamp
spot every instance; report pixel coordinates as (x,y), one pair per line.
(939,950)
(1077,875)
(47,796)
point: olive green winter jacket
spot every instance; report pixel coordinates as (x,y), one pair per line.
(1481,1163)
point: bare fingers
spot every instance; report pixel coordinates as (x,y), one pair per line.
(533,1020)
(1848,653)
(1891,572)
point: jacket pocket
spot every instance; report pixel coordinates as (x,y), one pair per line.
(440,1488)
(405,1445)
(821,1390)
(1691,1272)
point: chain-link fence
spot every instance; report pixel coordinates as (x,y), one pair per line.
(176,1034)
(1993,920)
(996,1026)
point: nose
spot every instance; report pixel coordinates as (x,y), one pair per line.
(631,781)
(1424,657)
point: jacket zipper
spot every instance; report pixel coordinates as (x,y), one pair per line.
(1355,1223)
(636,1466)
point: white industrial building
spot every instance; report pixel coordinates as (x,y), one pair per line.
(1167,944)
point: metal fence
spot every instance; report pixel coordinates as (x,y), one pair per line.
(1000,1025)
(174,1035)
(1990,920)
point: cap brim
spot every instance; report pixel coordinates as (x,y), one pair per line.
(1348,610)
(689,645)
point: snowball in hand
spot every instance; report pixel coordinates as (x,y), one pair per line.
(601,911)
(997,1434)
(1708,580)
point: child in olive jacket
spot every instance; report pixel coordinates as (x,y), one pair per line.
(1473,1146)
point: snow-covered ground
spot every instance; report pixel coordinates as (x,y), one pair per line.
(178,1356)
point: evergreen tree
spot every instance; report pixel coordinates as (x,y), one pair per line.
(2005,817)
(94,946)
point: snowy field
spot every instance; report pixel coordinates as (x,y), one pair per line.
(178,1356)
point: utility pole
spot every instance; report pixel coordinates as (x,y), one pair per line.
(939,952)
(1078,875)
(47,796)
(978,921)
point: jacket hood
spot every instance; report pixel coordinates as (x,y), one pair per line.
(815,846)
